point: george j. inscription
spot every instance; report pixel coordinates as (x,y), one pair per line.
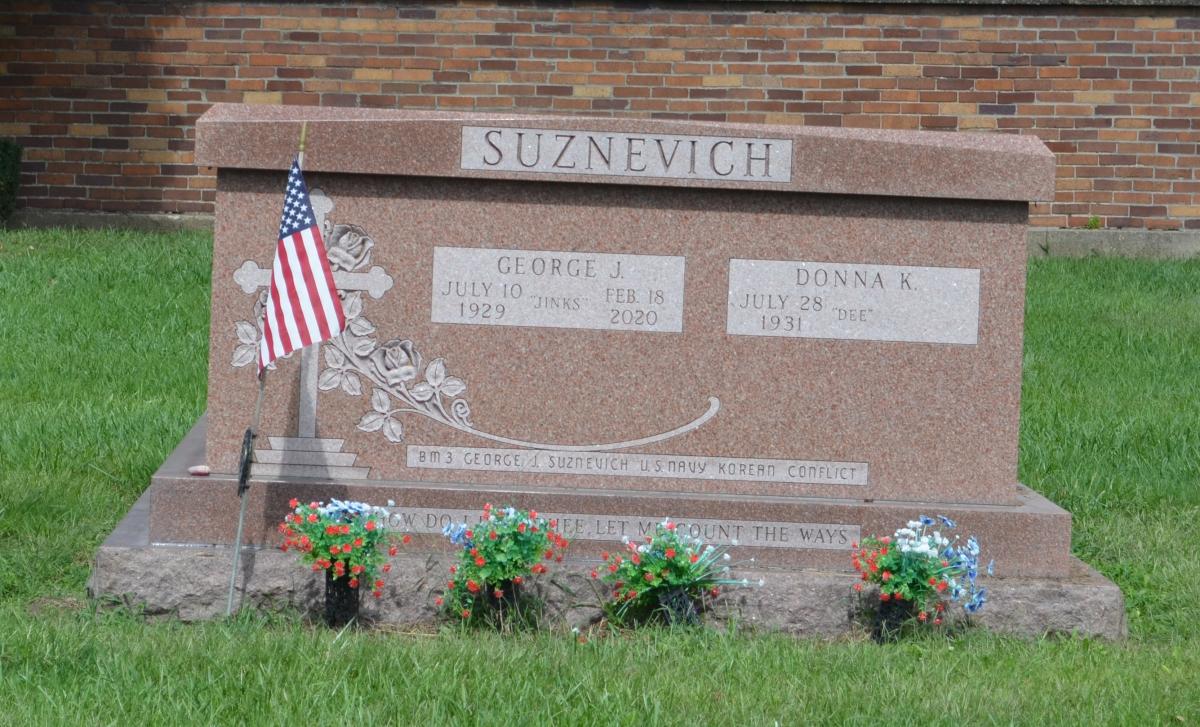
(627,464)
(609,153)
(550,289)
(853,301)
(751,534)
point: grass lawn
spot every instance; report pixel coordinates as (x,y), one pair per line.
(102,370)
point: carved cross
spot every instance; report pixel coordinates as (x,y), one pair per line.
(375,282)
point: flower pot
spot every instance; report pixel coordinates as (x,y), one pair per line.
(678,607)
(341,601)
(890,617)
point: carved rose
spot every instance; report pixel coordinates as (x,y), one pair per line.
(349,247)
(396,361)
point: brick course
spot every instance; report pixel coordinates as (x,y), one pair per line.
(104,95)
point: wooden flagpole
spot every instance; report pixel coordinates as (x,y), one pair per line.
(248,445)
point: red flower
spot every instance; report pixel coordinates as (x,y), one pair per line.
(715,592)
(521,528)
(406,539)
(354,583)
(492,535)
(453,569)
(358,542)
(313,505)
(518,580)
(312,518)
(922,616)
(940,607)
(345,530)
(471,535)
(334,549)
(533,528)
(438,601)
(379,584)
(466,613)
(487,506)
(595,574)
(377,594)
(549,554)
(356,569)
(472,586)
(853,543)
(886,576)
(370,525)
(883,550)
(387,567)
(866,576)
(695,558)
(885,597)
(479,561)
(856,563)
(604,555)
(649,577)
(554,522)
(498,594)
(937,621)
(671,526)
(942,585)
(474,551)
(533,513)
(932,581)
(347,548)
(635,559)
(670,552)
(858,587)
(293,503)
(451,585)
(316,567)
(393,550)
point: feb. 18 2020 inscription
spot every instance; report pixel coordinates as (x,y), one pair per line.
(555,289)
(853,301)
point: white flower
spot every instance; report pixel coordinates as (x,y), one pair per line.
(625,539)
(762,582)
(725,557)
(642,549)
(391,503)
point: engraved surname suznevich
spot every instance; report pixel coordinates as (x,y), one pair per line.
(626,154)
(852,301)
(558,289)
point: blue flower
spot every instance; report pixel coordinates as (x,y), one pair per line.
(991,569)
(457,533)
(927,520)
(947,521)
(972,545)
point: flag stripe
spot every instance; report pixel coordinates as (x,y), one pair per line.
(297,312)
(322,280)
(281,340)
(316,323)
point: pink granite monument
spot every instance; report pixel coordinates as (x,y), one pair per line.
(780,336)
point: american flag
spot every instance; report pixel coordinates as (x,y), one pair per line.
(302,303)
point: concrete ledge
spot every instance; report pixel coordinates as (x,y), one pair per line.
(191,583)
(146,222)
(1147,244)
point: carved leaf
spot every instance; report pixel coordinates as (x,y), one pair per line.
(393,431)
(381,401)
(422,392)
(351,385)
(364,347)
(453,386)
(436,373)
(246,332)
(371,421)
(361,326)
(243,354)
(352,305)
(329,379)
(334,357)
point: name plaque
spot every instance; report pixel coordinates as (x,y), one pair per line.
(748,533)
(853,301)
(549,289)
(629,464)
(623,154)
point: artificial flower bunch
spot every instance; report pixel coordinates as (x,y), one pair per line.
(921,566)
(499,555)
(669,574)
(345,539)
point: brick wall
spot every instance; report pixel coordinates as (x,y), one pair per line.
(104,95)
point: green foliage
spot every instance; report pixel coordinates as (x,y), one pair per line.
(669,577)
(344,538)
(1094,223)
(498,557)
(10,177)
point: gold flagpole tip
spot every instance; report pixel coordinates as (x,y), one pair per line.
(303,134)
